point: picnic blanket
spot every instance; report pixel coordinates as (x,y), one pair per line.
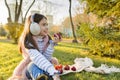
(86,64)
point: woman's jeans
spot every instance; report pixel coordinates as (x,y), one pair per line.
(33,72)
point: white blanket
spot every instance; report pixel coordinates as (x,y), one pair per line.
(87,65)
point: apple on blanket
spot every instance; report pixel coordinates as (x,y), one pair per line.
(65,69)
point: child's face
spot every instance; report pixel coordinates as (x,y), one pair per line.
(44,27)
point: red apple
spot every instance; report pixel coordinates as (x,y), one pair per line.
(67,67)
(58,34)
(73,68)
(58,67)
(55,35)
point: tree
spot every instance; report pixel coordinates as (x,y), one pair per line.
(80,18)
(73,30)
(18,10)
(66,23)
(108,9)
(28,10)
(103,7)
(9,18)
(13,28)
(54,29)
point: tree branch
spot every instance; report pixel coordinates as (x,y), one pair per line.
(9,18)
(28,10)
(19,10)
(16,6)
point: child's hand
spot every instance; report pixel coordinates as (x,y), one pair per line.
(56,39)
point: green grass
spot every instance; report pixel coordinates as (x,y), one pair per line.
(65,52)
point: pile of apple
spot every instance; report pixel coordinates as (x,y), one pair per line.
(66,67)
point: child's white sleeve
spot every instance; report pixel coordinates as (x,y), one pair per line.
(40,60)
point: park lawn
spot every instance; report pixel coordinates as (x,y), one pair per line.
(65,52)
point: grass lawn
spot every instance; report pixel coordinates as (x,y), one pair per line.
(65,52)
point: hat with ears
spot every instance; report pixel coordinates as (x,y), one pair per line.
(34,27)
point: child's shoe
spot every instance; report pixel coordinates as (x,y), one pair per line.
(42,77)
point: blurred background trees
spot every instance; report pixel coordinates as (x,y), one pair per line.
(95,23)
(101,34)
(16,20)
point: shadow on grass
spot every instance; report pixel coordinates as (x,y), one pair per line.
(66,57)
(74,45)
(5,40)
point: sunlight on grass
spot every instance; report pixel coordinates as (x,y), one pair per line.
(10,57)
(65,52)
(77,51)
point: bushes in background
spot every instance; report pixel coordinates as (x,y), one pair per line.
(14,30)
(2,31)
(103,41)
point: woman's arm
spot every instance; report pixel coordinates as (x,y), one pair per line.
(50,49)
(38,59)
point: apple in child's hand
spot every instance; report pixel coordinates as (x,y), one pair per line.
(67,67)
(58,34)
(55,35)
(73,68)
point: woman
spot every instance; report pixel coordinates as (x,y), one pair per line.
(36,47)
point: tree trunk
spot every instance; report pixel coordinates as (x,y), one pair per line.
(28,10)
(73,30)
(18,11)
(9,18)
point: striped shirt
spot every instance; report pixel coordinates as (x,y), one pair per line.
(42,58)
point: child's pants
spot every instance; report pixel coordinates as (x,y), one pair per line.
(33,72)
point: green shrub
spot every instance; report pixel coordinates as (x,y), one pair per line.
(101,41)
(14,30)
(2,32)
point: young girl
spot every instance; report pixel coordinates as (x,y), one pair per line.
(37,48)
